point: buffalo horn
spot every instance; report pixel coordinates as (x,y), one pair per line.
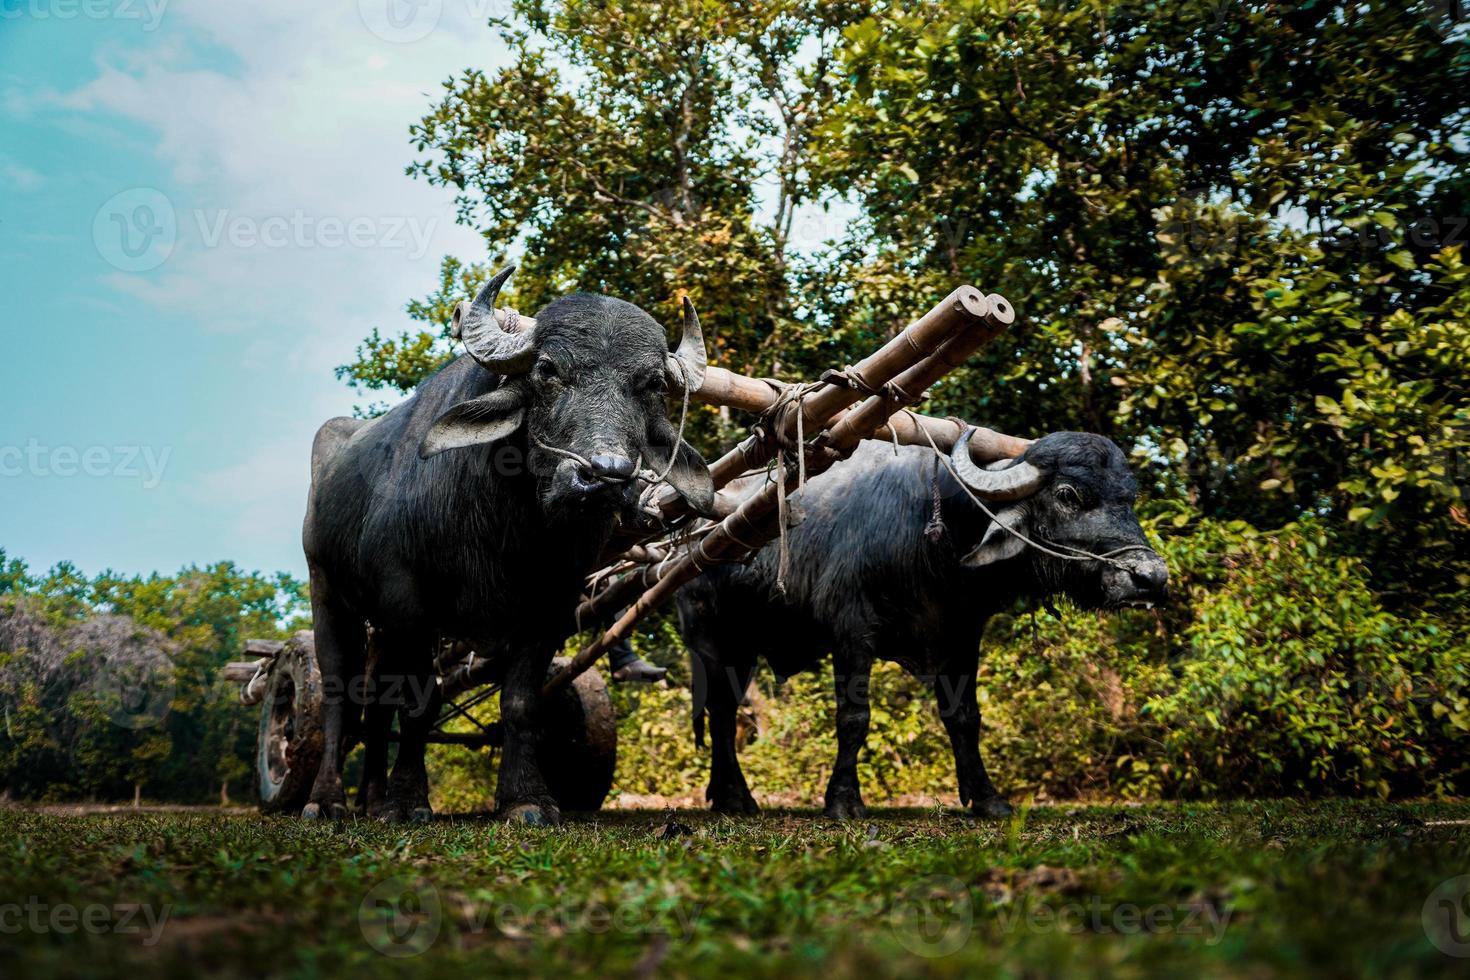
(1020,479)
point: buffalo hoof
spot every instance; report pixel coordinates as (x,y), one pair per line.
(401,811)
(735,806)
(372,800)
(533,815)
(845,810)
(845,805)
(993,808)
(332,811)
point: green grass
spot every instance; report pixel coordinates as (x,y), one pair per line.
(1330,888)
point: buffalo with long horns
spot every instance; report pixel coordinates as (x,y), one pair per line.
(896,559)
(474,509)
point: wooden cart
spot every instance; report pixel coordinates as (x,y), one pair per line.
(802,430)
(578,752)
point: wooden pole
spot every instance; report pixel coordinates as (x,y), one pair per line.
(755,521)
(960,310)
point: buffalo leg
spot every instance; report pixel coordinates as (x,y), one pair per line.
(377,725)
(520,792)
(851,672)
(417,701)
(722,658)
(725,686)
(954,690)
(340,640)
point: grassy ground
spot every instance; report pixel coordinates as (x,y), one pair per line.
(1329,888)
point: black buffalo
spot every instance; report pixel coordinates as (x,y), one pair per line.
(473,510)
(873,574)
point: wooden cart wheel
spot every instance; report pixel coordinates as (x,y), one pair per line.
(288,744)
(578,748)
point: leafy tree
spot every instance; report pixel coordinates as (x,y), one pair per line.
(14,576)
(625,149)
(1228,228)
(111,684)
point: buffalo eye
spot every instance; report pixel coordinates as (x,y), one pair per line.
(546,370)
(1068,495)
(656,384)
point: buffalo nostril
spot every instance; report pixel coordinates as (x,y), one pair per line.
(1151,577)
(608,467)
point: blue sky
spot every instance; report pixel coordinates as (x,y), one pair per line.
(202,210)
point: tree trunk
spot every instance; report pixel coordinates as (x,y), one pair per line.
(224,792)
(137,795)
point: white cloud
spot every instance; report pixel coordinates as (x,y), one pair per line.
(284,127)
(14,177)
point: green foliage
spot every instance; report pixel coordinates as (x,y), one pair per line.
(1246,271)
(1294,678)
(112,682)
(1276,672)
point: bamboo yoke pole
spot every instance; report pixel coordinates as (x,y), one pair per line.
(722,387)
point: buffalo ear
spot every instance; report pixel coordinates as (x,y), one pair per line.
(689,475)
(476,422)
(998,544)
